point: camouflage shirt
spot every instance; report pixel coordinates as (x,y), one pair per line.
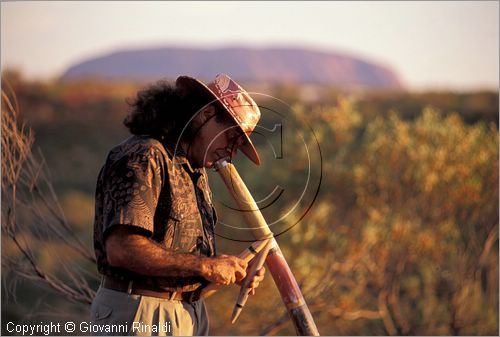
(144,186)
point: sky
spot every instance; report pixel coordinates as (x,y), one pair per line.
(430,45)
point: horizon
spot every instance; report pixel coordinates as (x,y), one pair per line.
(404,37)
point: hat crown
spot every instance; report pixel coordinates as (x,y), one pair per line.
(237,101)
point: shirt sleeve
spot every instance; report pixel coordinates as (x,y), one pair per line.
(132,186)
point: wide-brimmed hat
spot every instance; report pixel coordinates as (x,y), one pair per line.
(233,99)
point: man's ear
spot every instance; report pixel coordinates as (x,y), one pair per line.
(204,115)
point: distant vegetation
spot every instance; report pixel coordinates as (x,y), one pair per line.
(402,239)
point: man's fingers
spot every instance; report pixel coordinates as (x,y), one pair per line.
(240,273)
(231,269)
(243,264)
(259,277)
(222,281)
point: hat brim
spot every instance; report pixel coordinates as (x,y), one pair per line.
(189,84)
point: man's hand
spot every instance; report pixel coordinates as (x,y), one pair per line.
(258,277)
(224,269)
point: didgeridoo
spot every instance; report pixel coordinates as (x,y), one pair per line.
(278,267)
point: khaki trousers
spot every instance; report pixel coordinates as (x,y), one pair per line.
(115,313)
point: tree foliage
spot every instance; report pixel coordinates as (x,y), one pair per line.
(402,238)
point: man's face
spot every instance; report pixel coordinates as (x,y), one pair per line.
(215,139)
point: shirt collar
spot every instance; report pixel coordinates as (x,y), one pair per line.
(179,156)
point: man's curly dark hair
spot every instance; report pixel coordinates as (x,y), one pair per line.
(160,111)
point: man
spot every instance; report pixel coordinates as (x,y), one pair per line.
(154,222)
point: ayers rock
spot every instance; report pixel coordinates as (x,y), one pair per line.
(266,65)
